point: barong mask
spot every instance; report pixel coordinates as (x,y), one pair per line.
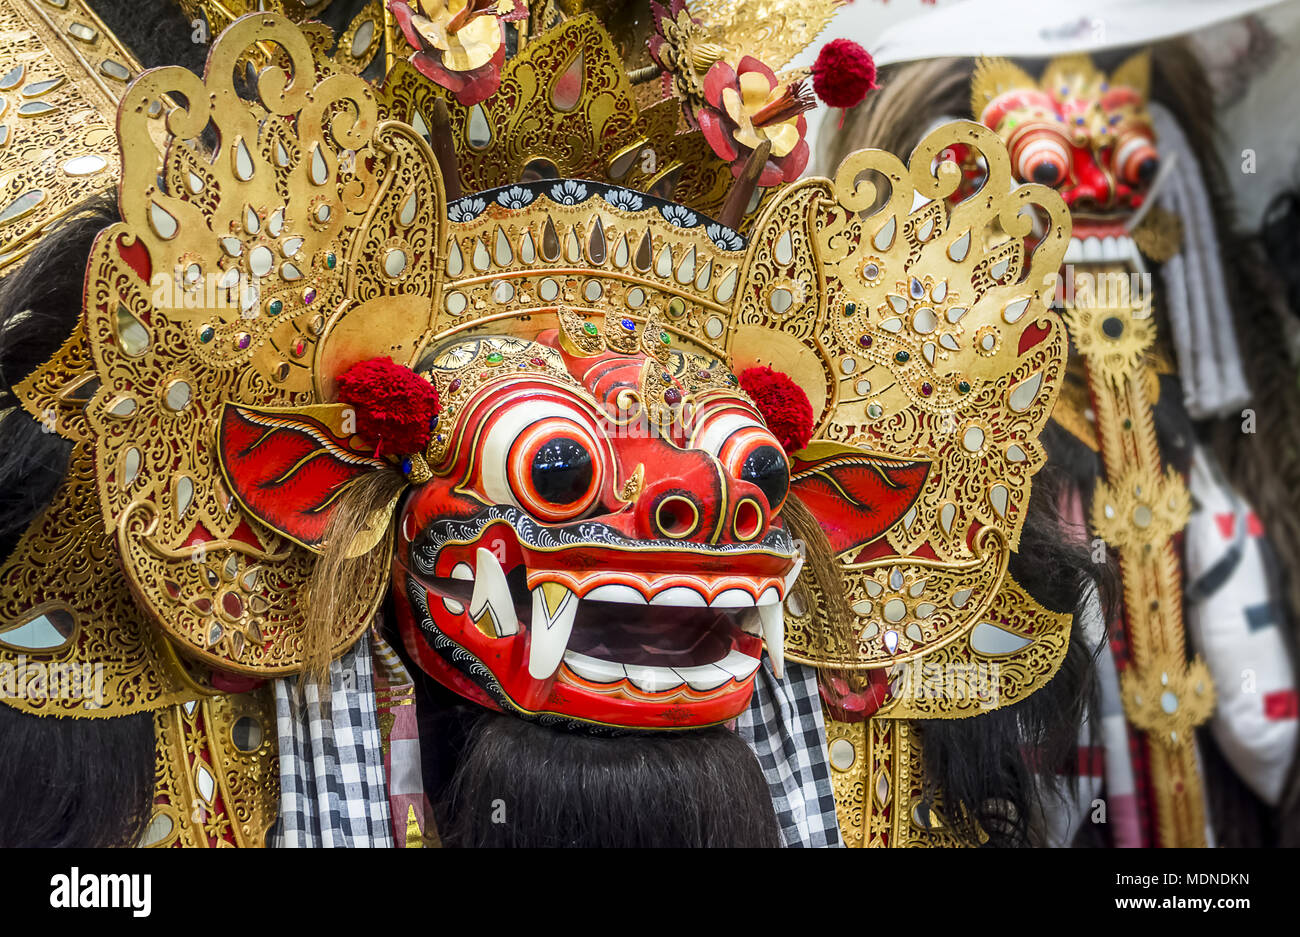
(591,531)
(1087,134)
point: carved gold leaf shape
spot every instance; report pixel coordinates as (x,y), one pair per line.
(251,277)
(919,334)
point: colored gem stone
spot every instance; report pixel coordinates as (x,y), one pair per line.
(849,309)
(588,328)
(871,271)
(243,340)
(926,389)
(902,357)
(330,261)
(874,410)
(963,387)
(665,338)
(704,375)
(309,295)
(433,421)
(275,307)
(299,348)
(536,362)
(672,396)
(453,386)
(865,341)
(494,358)
(406,466)
(628,324)
(206,333)
(666,376)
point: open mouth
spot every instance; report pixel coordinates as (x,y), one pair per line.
(611,631)
(658,652)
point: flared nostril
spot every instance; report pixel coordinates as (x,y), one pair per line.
(676,517)
(747,523)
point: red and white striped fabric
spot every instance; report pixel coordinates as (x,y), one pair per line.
(1233,615)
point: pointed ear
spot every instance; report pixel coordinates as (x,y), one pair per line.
(1135,73)
(288,467)
(992,77)
(855,494)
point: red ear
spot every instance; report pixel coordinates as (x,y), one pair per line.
(288,467)
(856,495)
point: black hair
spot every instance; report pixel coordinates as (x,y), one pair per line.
(39,306)
(987,771)
(64,782)
(499,780)
(519,783)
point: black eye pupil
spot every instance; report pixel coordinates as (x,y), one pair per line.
(1046,174)
(766,467)
(1146,170)
(562,470)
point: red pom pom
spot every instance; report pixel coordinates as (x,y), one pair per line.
(843,73)
(783,404)
(395,406)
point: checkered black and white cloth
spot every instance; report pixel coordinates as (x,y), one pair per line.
(784,727)
(332,786)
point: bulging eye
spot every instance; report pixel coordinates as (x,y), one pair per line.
(543,456)
(560,471)
(1136,161)
(1042,156)
(749,452)
(766,467)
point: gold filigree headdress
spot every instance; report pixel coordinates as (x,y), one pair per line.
(921,336)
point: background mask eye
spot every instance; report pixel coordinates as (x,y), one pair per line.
(1136,161)
(1042,156)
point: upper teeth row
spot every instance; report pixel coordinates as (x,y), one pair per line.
(681,596)
(556,606)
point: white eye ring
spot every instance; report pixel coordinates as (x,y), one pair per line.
(718,429)
(1043,146)
(508,424)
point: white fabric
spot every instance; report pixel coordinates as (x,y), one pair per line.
(1195,298)
(1232,618)
(1032,27)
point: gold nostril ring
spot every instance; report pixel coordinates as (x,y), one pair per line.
(677,517)
(747,522)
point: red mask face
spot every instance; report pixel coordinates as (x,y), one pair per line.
(572,558)
(1083,133)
